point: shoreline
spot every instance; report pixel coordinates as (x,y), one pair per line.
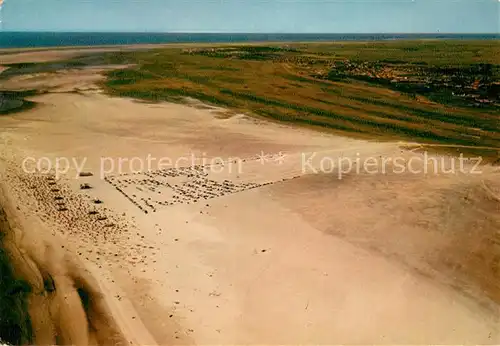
(316,38)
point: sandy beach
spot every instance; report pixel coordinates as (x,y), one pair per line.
(190,225)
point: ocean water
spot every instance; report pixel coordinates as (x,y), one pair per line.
(55,39)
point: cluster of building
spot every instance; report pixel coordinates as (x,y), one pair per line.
(471,84)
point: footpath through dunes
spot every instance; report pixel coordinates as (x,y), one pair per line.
(262,253)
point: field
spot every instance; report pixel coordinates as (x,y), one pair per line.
(443,93)
(303,84)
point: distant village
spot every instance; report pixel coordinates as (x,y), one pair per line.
(472,85)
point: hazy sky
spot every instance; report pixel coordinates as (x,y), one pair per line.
(315,16)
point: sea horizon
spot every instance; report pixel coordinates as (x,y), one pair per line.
(41,39)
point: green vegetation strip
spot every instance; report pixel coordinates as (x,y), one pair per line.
(290,83)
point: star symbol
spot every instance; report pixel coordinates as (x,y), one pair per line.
(262,157)
(280,158)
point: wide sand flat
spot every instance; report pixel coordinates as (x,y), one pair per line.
(258,251)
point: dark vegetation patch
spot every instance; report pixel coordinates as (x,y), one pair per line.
(13,101)
(89,60)
(131,76)
(15,323)
(30,68)
(308,80)
(260,53)
(219,68)
(175,95)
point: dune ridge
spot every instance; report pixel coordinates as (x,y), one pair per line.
(64,303)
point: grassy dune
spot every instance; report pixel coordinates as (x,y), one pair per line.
(300,84)
(281,83)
